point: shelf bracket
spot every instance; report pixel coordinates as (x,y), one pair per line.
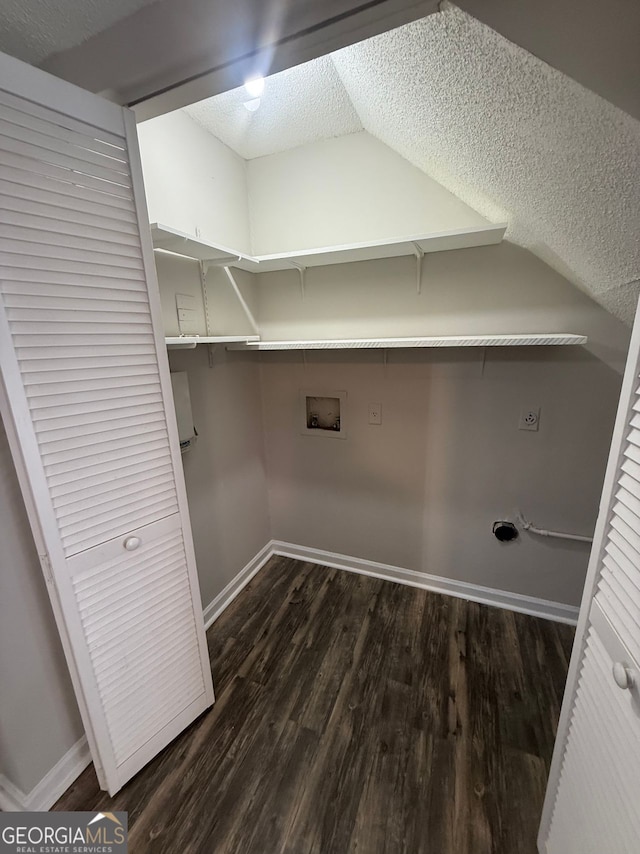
(419,253)
(242,301)
(203,267)
(302,270)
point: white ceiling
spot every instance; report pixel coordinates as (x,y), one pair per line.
(300,105)
(506,133)
(32,30)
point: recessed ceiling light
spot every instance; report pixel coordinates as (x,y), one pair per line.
(252,105)
(255,86)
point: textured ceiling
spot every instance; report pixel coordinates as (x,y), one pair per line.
(509,134)
(505,132)
(300,105)
(32,30)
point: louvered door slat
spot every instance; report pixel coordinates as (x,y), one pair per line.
(79,296)
(72,145)
(59,123)
(51,401)
(52,248)
(624,575)
(116,459)
(77,367)
(36,347)
(46,151)
(612,569)
(622,566)
(626,497)
(66,438)
(68,482)
(631,468)
(45,234)
(63,194)
(172,647)
(90,419)
(119,585)
(65,136)
(16,278)
(35,264)
(45,205)
(68,490)
(22,159)
(89,413)
(632,452)
(37,363)
(630,480)
(614,603)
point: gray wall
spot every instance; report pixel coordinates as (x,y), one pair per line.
(421,490)
(225,470)
(39,718)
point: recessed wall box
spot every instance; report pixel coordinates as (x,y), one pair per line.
(322,413)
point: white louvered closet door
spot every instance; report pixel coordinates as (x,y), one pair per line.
(593,798)
(86,401)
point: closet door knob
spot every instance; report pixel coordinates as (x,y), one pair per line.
(622,676)
(132,543)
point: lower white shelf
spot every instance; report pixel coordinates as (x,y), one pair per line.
(520,340)
(188,342)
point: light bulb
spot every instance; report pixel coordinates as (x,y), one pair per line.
(252,105)
(255,86)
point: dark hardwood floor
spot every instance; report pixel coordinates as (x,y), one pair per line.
(356,716)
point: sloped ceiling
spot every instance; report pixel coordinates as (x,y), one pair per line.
(300,105)
(509,134)
(33,30)
(506,133)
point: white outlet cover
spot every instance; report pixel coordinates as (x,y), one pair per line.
(375,413)
(529,418)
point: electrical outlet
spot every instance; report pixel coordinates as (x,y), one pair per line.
(529,418)
(375,413)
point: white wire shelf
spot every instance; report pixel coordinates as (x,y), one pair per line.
(176,242)
(169,239)
(188,342)
(519,340)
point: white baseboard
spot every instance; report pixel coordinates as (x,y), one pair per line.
(226,596)
(51,787)
(557,611)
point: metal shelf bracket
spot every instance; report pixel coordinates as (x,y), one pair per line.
(419,253)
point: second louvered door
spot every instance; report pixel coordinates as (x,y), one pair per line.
(86,399)
(593,798)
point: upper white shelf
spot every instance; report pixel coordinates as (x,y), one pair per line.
(377,249)
(170,240)
(524,340)
(178,243)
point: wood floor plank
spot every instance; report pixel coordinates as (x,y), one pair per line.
(356,716)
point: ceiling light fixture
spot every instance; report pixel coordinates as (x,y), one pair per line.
(254,86)
(252,105)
